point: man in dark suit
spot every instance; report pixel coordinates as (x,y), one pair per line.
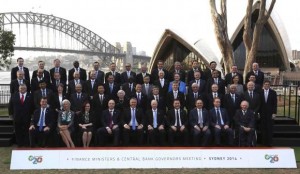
(155,71)
(77,99)
(46,74)
(173,95)
(21,107)
(35,81)
(177,121)
(128,73)
(258,74)
(216,79)
(199,122)
(155,125)
(76,80)
(232,103)
(20,66)
(162,83)
(160,99)
(268,113)
(140,97)
(234,72)
(195,67)
(133,124)
(56,82)
(257,87)
(42,92)
(41,123)
(147,87)
(129,87)
(193,96)
(220,123)
(253,98)
(213,94)
(201,83)
(90,86)
(177,69)
(245,124)
(111,87)
(76,68)
(141,75)
(99,104)
(117,76)
(111,122)
(14,84)
(57,68)
(99,74)
(212,67)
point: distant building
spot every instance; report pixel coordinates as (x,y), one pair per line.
(296,55)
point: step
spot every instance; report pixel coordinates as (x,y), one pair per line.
(286,134)
(287,142)
(6,128)
(284,120)
(286,127)
(6,134)
(6,121)
(5,142)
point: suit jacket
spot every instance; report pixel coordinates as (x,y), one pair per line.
(38,95)
(99,76)
(35,84)
(209,100)
(62,72)
(116,118)
(259,78)
(202,86)
(154,74)
(14,85)
(194,119)
(150,87)
(247,120)
(270,107)
(181,73)
(124,77)
(71,86)
(208,75)
(163,90)
(46,75)
(97,106)
(117,77)
(230,105)
(191,75)
(190,100)
(128,92)
(55,101)
(221,84)
(170,99)
(140,78)
(161,102)
(89,89)
(228,78)
(76,104)
(112,94)
(214,119)
(82,73)
(171,117)
(13,73)
(160,117)
(142,103)
(254,103)
(182,87)
(121,105)
(48,118)
(19,111)
(53,86)
(138,115)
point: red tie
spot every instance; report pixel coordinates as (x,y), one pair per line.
(22,99)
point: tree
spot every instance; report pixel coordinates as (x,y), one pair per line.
(251,39)
(7,42)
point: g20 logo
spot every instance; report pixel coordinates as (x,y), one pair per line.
(35,159)
(272,158)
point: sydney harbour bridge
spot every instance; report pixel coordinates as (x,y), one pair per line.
(42,32)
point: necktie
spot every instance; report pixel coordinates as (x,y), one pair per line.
(154,119)
(113,73)
(175,95)
(20,82)
(44,93)
(96,74)
(42,120)
(78,96)
(162,82)
(244,112)
(147,89)
(197,81)
(133,120)
(130,87)
(128,74)
(177,118)
(256,73)
(56,70)
(111,88)
(57,82)
(139,98)
(216,81)
(92,83)
(110,119)
(195,96)
(215,95)
(233,98)
(101,99)
(218,117)
(22,99)
(251,94)
(156,98)
(200,118)
(266,96)
(21,68)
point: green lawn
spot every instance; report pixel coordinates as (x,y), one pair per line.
(5,153)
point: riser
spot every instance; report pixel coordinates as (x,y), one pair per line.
(288,142)
(6,121)
(287,128)
(6,128)
(5,142)
(6,135)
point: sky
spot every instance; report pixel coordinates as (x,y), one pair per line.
(142,22)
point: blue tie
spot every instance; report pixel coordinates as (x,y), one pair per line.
(154,119)
(133,120)
(42,120)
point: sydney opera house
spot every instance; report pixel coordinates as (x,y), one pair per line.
(274,54)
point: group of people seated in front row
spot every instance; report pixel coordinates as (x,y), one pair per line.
(144,109)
